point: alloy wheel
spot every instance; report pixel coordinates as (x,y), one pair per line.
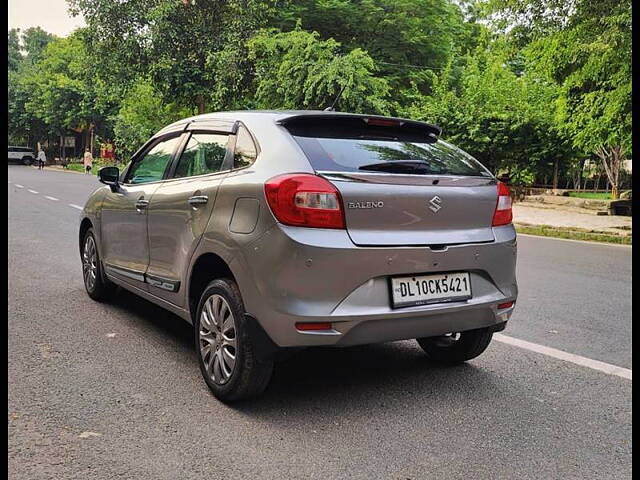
(90,263)
(217,339)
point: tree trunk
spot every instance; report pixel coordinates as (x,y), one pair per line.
(612,159)
(201,104)
(555,174)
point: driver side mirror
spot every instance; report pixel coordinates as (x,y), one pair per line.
(110,176)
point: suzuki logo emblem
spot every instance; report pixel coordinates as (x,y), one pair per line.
(435,204)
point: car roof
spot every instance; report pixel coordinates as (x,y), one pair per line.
(278,116)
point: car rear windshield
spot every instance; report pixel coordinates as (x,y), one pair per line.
(348,147)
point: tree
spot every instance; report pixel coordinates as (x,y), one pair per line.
(585,48)
(34,41)
(142,113)
(500,117)
(398,34)
(24,51)
(297,70)
(175,43)
(64,92)
(13,44)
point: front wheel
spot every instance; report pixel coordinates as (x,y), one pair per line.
(95,283)
(224,346)
(455,348)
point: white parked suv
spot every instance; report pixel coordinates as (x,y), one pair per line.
(22,155)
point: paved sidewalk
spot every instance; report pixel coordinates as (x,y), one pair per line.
(556,217)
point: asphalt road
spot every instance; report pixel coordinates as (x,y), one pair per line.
(113,390)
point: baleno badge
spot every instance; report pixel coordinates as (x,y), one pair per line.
(365,204)
(435,204)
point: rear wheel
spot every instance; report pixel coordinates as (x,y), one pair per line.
(455,348)
(27,161)
(95,283)
(224,346)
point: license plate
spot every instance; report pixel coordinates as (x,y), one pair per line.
(424,289)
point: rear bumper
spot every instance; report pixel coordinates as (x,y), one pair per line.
(294,275)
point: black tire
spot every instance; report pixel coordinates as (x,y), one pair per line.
(452,350)
(101,289)
(249,376)
(27,161)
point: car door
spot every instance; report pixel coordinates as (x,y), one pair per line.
(124,240)
(180,209)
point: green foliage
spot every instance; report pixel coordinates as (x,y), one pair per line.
(297,70)
(501,118)
(397,34)
(142,113)
(523,85)
(13,47)
(178,45)
(24,51)
(585,48)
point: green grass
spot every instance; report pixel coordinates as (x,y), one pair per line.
(591,195)
(573,234)
(76,167)
(97,165)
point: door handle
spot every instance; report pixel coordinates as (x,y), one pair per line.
(141,205)
(198,200)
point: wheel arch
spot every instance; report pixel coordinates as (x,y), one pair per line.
(85,225)
(207,267)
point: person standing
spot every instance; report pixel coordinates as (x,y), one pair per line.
(88,161)
(42,159)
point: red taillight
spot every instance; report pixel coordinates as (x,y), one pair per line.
(311,326)
(503,214)
(305,200)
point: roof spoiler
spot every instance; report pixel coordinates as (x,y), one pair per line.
(373,120)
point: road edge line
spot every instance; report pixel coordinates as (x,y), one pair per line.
(566,356)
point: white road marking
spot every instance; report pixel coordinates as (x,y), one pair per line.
(567,357)
(33,191)
(51,198)
(75,206)
(19,186)
(606,244)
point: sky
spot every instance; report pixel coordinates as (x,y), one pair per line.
(50,15)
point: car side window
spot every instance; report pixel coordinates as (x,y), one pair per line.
(203,154)
(246,151)
(152,166)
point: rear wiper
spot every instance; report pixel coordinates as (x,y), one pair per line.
(399,166)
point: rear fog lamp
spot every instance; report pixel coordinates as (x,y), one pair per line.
(505,305)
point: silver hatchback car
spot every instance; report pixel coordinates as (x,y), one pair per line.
(275,230)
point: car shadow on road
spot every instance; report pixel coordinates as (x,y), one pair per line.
(153,320)
(370,376)
(375,378)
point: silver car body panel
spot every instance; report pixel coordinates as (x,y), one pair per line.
(293,274)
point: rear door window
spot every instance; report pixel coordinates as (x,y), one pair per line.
(204,154)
